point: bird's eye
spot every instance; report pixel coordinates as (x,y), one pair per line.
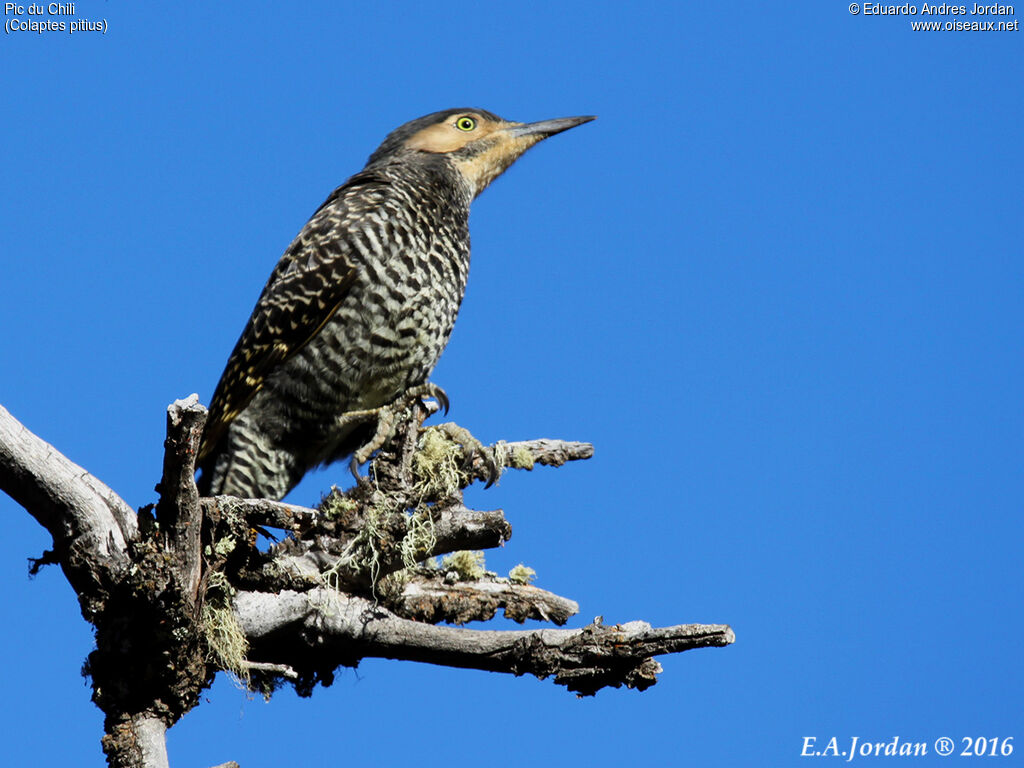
(465,123)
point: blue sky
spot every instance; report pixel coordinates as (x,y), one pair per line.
(778,284)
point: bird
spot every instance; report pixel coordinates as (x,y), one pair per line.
(361,305)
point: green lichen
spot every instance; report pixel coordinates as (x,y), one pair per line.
(468,564)
(225,546)
(522,574)
(437,478)
(390,587)
(336,505)
(364,551)
(435,465)
(227,644)
(521,458)
(419,535)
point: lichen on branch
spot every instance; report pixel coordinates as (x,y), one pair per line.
(182,589)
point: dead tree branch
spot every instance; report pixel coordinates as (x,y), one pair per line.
(178,511)
(262,512)
(435,599)
(90,524)
(313,631)
(178,591)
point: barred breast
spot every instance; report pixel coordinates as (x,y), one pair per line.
(405,236)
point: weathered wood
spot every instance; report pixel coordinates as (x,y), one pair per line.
(90,524)
(138,741)
(178,511)
(433,600)
(262,512)
(347,583)
(315,631)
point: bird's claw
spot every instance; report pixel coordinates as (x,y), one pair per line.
(386,416)
(385,428)
(493,469)
(473,450)
(429,389)
(353,467)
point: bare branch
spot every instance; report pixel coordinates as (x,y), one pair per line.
(434,601)
(178,510)
(316,631)
(263,512)
(139,741)
(550,453)
(282,670)
(152,742)
(524,454)
(90,524)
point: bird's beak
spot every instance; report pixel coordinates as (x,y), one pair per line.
(546,128)
(499,150)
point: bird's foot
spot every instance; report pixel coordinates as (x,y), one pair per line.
(386,416)
(473,450)
(429,389)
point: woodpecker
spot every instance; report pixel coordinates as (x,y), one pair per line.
(358,310)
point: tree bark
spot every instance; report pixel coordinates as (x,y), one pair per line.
(314,632)
(178,591)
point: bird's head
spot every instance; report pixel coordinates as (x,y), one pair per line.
(478,144)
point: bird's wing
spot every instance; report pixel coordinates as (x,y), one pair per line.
(306,288)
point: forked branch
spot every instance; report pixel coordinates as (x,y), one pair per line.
(312,632)
(350,580)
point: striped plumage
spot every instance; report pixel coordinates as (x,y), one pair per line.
(361,305)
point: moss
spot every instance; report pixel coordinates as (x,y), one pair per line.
(521,458)
(379,534)
(419,536)
(225,546)
(364,551)
(468,564)
(499,453)
(435,465)
(225,639)
(522,574)
(336,506)
(388,527)
(391,586)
